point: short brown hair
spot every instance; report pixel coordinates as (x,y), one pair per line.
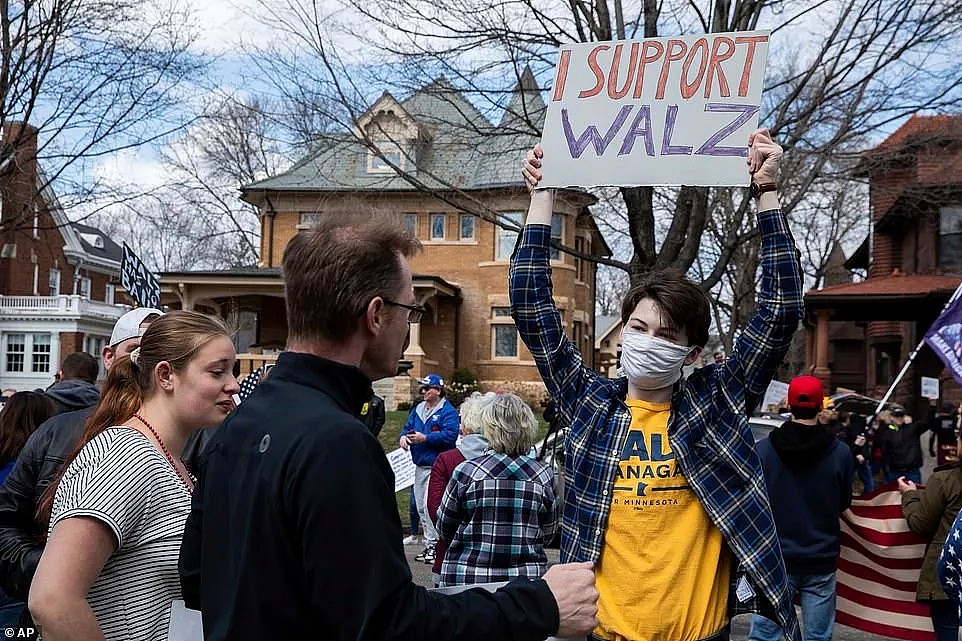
(80,366)
(684,304)
(333,270)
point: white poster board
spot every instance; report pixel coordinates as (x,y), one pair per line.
(403,468)
(659,111)
(930,388)
(776,393)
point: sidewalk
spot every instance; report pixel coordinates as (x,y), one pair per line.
(422,576)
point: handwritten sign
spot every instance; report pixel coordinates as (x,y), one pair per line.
(775,395)
(660,111)
(139,281)
(930,388)
(403,468)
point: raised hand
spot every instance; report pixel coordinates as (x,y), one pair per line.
(764,157)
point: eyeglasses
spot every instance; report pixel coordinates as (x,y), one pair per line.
(415,312)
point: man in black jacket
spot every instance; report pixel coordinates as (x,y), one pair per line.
(808,473)
(38,464)
(75,388)
(901,447)
(294,531)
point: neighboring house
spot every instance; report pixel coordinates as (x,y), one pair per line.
(607,345)
(860,334)
(58,279)
(439,137)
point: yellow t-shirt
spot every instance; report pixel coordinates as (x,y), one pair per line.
(664,569)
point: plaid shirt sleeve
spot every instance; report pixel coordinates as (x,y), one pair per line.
(760,348)
(451,511)
(533,308)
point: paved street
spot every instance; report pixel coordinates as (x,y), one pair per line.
(422,576)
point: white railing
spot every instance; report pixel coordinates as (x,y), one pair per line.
(63,304)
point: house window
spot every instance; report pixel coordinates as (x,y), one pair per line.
(377,164)
(36,221)
(505,239)
(950,238)
(504,334)
(85,287)
(27,353)
(40,352)
(15,352)
(309,218)
(94,345)
(557,234)
(467,227)
(110,290)
(410,222)
(437,226)
(54,282)
(577,333)
(580,263)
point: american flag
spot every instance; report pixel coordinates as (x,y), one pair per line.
(878,569)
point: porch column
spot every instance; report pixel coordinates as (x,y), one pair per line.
(414,352)
(822,370)
(186,300)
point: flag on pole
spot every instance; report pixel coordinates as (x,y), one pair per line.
(878,569)
(945,335)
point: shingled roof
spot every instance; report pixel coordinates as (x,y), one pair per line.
(456,145)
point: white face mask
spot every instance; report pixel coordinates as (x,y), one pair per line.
(650,362)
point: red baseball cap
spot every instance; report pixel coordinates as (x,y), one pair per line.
(806,392)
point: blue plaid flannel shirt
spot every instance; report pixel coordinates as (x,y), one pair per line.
(498,512)
(708,426)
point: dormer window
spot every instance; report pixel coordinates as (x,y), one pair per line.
(391,153)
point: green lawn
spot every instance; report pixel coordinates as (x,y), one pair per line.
(389,436)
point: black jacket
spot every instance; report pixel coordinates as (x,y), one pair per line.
(808,473)
(901,447)
(73,394)
(38,464)
(294,530)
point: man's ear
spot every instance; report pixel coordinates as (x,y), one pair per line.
(164,376)
(375,316)
(107,354)
(693,355)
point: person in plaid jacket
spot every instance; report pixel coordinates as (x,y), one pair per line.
(663,489)
(499,509)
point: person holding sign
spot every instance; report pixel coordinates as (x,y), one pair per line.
(664,492)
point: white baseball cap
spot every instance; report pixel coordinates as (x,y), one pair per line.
(128,325)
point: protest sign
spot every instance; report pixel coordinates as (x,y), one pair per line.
(403,468)
(930,388)
(659,111)
(775,395)
(139,281)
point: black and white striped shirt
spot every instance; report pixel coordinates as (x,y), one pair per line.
(120,479)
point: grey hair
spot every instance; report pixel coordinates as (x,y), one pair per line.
(470,411)
(508,424)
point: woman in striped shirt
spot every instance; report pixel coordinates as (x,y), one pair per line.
(116,518)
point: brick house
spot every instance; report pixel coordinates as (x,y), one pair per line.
(58,279)
(439,138)
(861,333)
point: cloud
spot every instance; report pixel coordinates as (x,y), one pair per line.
(139,167)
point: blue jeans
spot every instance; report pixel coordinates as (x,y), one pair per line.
(413,512)
(818,610)
(914,474)
(945,620)
(865,476)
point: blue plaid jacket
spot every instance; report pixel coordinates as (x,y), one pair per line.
(708,426)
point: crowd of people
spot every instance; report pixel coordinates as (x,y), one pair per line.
(277,518)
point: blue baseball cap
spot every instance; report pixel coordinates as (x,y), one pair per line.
(433,380)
